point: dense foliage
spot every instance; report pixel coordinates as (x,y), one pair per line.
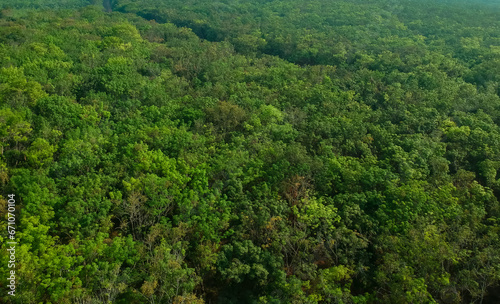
(251,151)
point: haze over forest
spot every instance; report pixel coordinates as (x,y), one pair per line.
(251,151)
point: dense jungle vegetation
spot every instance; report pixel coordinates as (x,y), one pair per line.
(251,151)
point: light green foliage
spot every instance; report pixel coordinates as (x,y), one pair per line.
(16,90)
(315,213)
(251,151)
(14,129)
(40,153)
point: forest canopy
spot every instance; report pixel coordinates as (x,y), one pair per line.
(251,151)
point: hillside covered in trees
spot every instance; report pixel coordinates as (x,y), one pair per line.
(251,151)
